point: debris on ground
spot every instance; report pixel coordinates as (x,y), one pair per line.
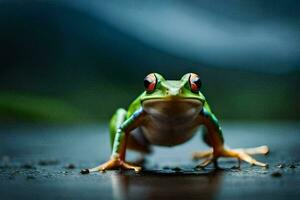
(276,174)
(48,162)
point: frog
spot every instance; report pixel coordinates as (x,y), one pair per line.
(169,113)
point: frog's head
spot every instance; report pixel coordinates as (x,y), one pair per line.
(188,87)
(180,93)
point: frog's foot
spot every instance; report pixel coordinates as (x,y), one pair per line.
(256,150)
(114,163)
(240,154)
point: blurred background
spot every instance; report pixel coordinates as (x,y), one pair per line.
(76,61)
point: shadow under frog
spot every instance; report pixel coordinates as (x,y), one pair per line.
(166,184)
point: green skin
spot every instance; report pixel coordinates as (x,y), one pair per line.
(117,128)
(140,115)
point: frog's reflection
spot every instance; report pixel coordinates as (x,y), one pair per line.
(166,185)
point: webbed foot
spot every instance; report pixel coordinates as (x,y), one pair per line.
(113,163)
(241,154)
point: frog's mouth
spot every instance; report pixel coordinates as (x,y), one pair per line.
(172,108)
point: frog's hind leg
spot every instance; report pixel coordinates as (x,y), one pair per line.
(244,154)
(218,150)
(264,150)
(250,151)
(241,154)
(204,154)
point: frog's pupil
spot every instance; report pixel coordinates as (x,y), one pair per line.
(147,82)
(197,81)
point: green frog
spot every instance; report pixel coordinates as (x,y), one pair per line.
(168,113)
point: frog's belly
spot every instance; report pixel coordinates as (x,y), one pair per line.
(168,133)
(170,123)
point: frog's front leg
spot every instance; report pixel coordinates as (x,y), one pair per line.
(214,138)
(117,159)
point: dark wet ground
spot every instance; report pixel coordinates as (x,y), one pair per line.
(44,163)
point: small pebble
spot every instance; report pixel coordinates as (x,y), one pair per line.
(27,166)
(48,162)
(70,166)
(292,166)
(276,174)
(85,171)
(166,167)
(176,169)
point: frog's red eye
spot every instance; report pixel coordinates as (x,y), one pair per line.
(150,82)
(195,83)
